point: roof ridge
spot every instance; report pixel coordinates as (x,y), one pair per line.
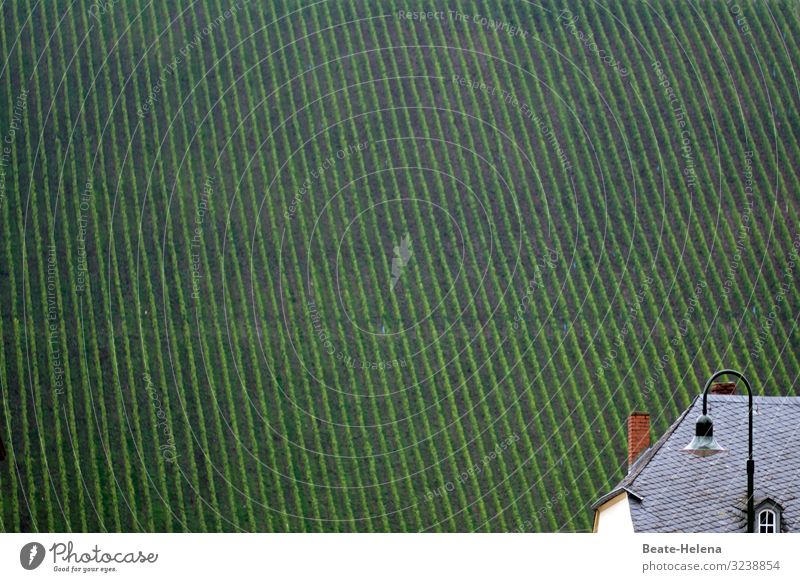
(625,484)
(651,452)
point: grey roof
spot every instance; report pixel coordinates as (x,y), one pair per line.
(673,491)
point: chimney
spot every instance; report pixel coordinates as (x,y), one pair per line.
(723,388)
(638,435)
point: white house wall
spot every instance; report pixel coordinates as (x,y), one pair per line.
(614,516)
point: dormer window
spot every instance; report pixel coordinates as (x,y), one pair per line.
(767,521)
(768,517)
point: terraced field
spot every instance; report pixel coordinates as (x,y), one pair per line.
(349,266)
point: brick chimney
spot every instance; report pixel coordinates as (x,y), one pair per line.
(723,388)
(638,435)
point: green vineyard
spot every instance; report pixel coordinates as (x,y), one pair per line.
(349,265)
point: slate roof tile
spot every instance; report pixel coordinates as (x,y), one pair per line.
(674,491)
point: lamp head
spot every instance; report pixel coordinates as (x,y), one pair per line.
(704,444)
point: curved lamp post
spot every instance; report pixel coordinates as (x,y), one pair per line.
(704,444)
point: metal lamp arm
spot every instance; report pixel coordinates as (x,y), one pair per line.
(750,463)
(741,376)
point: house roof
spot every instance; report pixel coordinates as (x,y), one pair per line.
(673,491)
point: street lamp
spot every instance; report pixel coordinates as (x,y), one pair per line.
(704,444)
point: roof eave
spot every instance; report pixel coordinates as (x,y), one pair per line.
(613,493)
